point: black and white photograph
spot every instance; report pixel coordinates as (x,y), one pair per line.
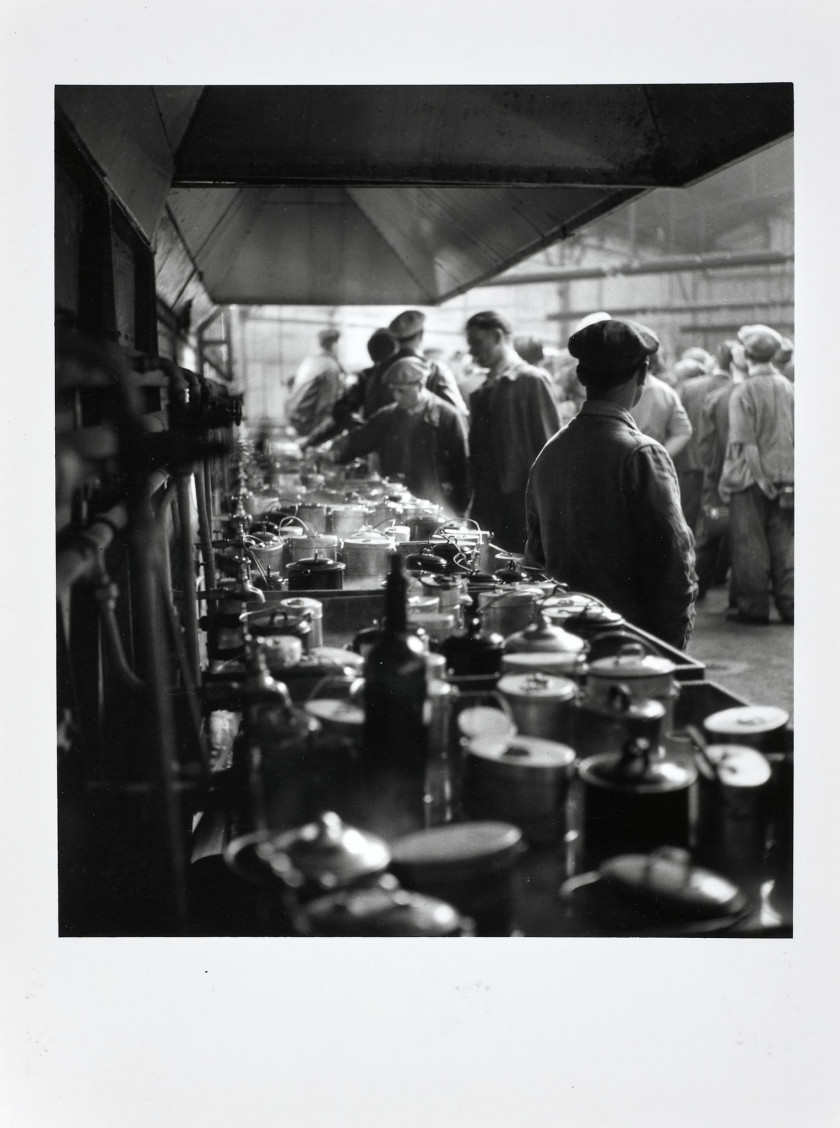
(424,483)
(426,486)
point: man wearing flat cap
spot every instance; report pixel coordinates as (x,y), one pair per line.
(603,503)
(317,385)
(757,480)
(418,437)
(408,328)
(512,416)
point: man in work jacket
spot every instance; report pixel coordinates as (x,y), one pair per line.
(512,416)
(603,505)
(418,437)
(757,480)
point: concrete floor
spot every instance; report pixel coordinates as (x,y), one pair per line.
(753,662)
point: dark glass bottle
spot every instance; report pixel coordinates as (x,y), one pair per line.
(395,732)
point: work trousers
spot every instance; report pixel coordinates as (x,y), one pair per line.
(762,553)
(712,556)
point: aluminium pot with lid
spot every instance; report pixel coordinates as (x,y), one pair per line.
(313,610)
(448,589)
(758,726)
(368,554)
(468,865)
(275,621)
(314,514)
(347,518)
(508,610)
(299,545)
(645,674)
(522,780)
(541,705)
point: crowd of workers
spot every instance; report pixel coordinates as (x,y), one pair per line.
(643,485)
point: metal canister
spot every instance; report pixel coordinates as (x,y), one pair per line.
(541,705)
(314,513)
(756,726)
(300,546)
(278,621)
(732,809)
(646,676)
(449,590)
(311,609)
(505,612)
(521,780)
(345,520)
(368,555)
(382,512)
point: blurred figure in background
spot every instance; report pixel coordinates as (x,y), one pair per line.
(419,436)
(512,417)
(757,480)
(362,399)
(703,358)
(317,385)
(783,360)
(660,415)
(408,328)
(695,384)
(530,349)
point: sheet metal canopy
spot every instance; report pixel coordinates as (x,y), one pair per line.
(363,195)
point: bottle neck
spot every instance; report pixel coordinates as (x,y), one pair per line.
(396,612)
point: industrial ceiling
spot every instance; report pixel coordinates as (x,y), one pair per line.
(336,195)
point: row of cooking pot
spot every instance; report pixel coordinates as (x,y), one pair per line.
(344,518)
(324,560)
(328,878)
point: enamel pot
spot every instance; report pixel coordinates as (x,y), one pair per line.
(315,573)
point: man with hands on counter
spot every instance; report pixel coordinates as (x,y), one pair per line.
(419,436)
(602,501)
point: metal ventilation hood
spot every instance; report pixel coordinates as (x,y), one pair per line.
(335,195)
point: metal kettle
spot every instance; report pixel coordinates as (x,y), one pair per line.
(635,799)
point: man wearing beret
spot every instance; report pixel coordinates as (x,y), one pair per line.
(408,328)
(512,416)
(757,480)
(418,436)
(603,503)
